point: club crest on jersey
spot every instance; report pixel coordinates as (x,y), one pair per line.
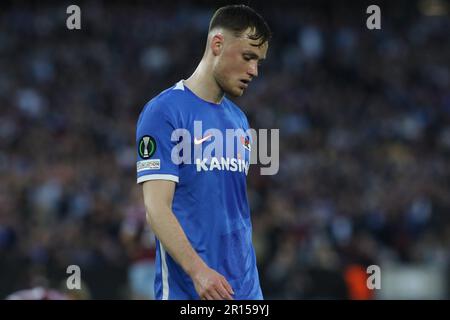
(246,143)
(147,147)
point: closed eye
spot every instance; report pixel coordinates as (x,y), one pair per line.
(248,57)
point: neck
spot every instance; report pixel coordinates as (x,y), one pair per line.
(203,84)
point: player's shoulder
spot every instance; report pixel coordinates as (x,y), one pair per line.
(166,101)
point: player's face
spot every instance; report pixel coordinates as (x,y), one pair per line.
(238,64)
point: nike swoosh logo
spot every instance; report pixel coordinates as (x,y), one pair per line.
(199,141)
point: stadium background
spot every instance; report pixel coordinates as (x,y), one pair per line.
(364,119)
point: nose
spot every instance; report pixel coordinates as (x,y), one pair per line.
(253,69)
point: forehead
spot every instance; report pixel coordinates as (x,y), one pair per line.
(244,43)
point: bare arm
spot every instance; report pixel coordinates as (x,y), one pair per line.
(158,196)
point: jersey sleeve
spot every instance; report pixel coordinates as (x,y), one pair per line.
(154,146)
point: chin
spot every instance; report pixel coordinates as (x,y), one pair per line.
(235,92)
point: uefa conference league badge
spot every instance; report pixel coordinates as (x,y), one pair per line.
(147,147)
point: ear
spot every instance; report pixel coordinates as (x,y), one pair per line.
(216,44)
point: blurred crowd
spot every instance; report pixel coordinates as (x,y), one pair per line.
(364,119)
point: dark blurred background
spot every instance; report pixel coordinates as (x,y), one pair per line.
(364,119)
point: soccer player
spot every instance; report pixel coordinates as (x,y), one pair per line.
(198,209)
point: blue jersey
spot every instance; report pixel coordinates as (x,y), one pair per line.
(210,200)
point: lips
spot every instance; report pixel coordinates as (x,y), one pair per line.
(245,82)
